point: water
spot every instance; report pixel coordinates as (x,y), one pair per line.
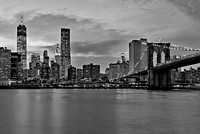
(61,111)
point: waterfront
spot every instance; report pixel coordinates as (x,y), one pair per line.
(98,111)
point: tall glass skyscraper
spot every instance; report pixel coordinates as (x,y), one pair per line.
(21,43)
(136,49)
(65,52)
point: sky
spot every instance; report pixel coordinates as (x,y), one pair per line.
(100,29)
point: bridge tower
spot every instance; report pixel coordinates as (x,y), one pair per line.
(158,79)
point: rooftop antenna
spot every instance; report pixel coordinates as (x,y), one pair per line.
(57,51)
(159,40)
(122,52)
(123,57)
(21,19)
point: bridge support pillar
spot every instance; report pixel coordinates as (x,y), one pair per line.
(166,80)
(159,80)
(150,81)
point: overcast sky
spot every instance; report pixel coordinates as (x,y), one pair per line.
(100,29)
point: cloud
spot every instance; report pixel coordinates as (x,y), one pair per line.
(101,48)
(90,39)
(90,49)
(5,29)
(46,28)
(189,7)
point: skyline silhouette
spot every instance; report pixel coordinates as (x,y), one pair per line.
(100,29)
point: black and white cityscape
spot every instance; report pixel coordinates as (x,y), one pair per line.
(144,58)
(99,67)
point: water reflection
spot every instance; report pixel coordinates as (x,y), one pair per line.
(98,111)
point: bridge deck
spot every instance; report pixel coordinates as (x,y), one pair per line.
(185,61)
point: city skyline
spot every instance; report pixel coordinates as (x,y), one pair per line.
(100,29)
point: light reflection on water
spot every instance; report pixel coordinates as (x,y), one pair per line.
(121,111)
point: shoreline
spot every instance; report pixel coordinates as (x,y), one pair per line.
(99,87)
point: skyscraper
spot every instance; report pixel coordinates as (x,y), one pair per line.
(91,71)
(15,65)
(58,58)
(5,65)
(57,55)
(55,71)
(136,49)
(65,52)
(45,69)
(35,58)
(21,43)
(79,74)
(72,74)
(46,57)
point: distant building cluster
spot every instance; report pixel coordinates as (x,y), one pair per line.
(186,76)
(190,75)
(118,69)
(13,65)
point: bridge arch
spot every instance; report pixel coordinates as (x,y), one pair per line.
(163,58)
(158,78)
(162,50)
(155,58)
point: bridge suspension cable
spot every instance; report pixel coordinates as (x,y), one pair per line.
(177,47)
(141,57)
(181,48)
(174,47)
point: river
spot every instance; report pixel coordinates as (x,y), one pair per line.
(91,111)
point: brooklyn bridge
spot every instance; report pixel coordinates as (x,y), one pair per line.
(154,64)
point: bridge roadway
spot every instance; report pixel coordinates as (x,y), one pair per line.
(184,61)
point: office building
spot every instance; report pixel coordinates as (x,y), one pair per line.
(79,74)
(72,74)
(5,66)
(57,55)
(45,71)
(91,71)
(37,71)
(55,71)
(46,57)
(35,58)
(119,69)
(65,52)
(15,65)
(58,58)
(136,50)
